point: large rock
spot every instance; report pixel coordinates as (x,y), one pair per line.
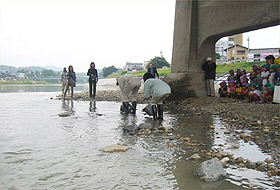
(115,148)
(211,170)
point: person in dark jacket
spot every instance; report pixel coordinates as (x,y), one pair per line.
(153,70)
(93,79)
(210,73)
(71,77)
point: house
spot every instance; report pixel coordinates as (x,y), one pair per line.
(236,52)
(129,67)
(260,54)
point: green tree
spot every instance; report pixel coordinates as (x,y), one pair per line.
(218,56)
(48,72)
(108,70)
(159,62)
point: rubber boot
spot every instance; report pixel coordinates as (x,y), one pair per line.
(126,107)
(134,105)
(160,111)
(154,110)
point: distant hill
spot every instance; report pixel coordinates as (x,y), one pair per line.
(32,68)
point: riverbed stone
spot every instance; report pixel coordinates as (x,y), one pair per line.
(64,114)
(210,170)
(145,126)
(130,128)
(195,157)
(115,148)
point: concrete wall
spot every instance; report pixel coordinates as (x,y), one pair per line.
(199,24)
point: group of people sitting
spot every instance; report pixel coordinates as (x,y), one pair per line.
(257,86)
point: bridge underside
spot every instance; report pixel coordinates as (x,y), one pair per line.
(199,25)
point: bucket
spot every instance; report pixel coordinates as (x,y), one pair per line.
(148,110)
(276,96)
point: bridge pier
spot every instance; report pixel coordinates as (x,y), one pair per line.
(199,25)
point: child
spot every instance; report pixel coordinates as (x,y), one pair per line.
(254,94)
(231,89)
(231,75)
(244,79)
(265,93)
(253,73)
(259,82)
(239,90)
(223,89)
(277,75)
(264,74)
(245,91)
(272,71)
(237,76)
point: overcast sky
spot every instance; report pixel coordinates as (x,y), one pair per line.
(77,32)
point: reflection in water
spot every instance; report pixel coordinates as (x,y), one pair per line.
(92,106)
(68,106)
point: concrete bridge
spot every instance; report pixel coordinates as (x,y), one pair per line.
(199,24)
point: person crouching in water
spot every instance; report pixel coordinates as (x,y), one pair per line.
(93,79)
(129,85)
(159,91)
(71,77)
(63,79)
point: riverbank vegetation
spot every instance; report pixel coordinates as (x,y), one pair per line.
(221,68)
(22,82)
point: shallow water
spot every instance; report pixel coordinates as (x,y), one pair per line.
(40,150)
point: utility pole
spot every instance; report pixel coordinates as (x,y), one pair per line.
(235,52)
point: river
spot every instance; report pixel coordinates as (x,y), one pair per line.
(40,150)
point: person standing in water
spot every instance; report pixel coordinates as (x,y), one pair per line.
(93,79)
(63,79)
(129,85)
(158,91)
(71,77)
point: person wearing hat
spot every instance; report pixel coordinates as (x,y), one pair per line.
(277,74)
(63,79)
(271,76)
(264,75)
(239,90)
(268,96)
(223,89)
(254,94)
(269,60)
(231,89)
(156,90)
(93,79)
(253,73)
(231,75)
(210,74)
(129,85)
(277,60)
(238,75)
(245,91)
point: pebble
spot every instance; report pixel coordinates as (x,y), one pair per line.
(115,148)
(224,160)
(195,157)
